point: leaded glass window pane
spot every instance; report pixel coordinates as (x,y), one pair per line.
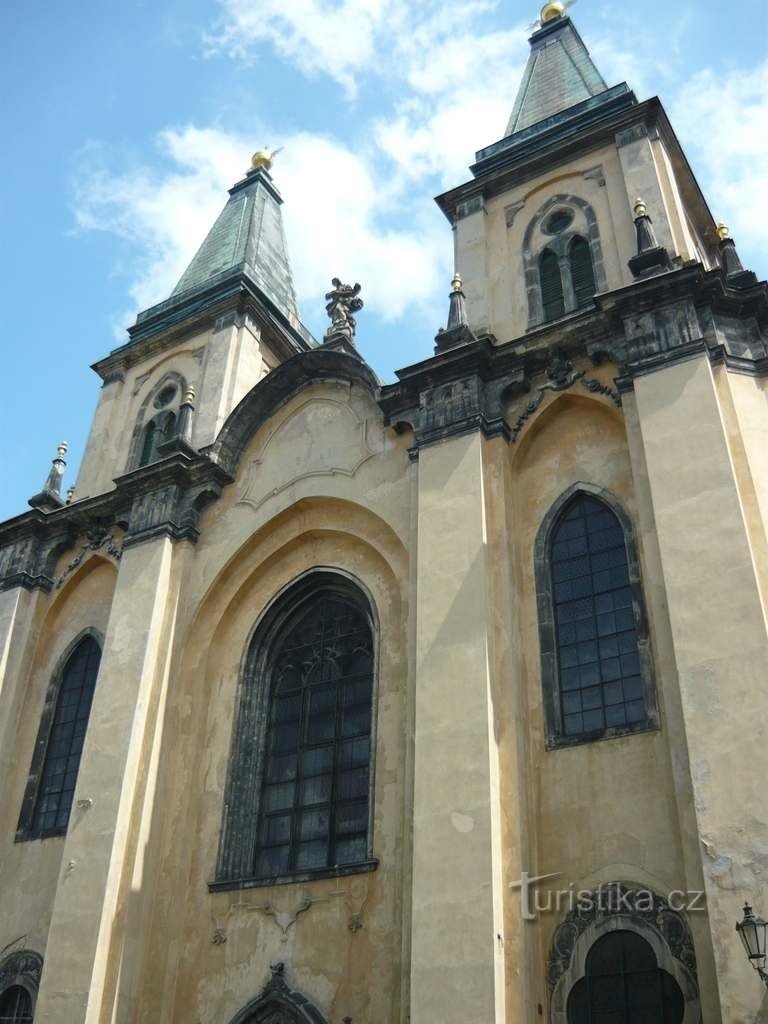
(598,660)
(315,791)
(624,985)
(16,1006)
(65,740)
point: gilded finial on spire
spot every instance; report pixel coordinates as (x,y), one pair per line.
(456,282)
(640,208)
(550,11)
(723,231)
(264,158)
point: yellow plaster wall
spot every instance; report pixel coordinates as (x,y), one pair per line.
(601,811)
(29,871)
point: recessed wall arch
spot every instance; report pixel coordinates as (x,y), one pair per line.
(536,242)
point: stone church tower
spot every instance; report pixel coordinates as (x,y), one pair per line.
(310,674)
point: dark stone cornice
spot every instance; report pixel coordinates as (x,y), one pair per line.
(317,366)
(190,313)
(640,328)
(165,498)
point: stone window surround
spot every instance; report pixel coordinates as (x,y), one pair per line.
(145,416)
(555,737)
(22,969)
(624,922)
(246,760)
(24,832)
(560,244)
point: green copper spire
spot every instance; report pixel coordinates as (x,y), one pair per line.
(560,72)
(248,237)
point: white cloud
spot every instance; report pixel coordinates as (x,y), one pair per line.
(722,119)
(337,39)
(336,213)
(361,210)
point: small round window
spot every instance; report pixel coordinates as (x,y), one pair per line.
(557,222)
(165,397)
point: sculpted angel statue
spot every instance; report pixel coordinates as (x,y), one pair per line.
(343,301)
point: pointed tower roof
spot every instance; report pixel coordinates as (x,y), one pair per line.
(248,236)
(560,72)
(245,249)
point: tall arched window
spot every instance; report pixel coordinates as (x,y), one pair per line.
(623,984)
(56,761)
(596,672)
(582,272)
(16,1006)
(551,285)
(298,794)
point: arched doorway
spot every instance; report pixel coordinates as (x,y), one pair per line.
(623,983)
(278,1004)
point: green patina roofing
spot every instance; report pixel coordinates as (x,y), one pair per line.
(248,235)
(560,73)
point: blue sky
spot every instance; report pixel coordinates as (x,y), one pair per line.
(125,122)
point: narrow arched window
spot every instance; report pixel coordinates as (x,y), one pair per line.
(623,984)
(551,283)
(582,271)
(307,706)
(596,672)
(157,432)
(148,444)
(56,761)
(16,1006)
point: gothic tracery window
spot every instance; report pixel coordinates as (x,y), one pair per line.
(307,707)
(596,677)
(48,802)
(623,984)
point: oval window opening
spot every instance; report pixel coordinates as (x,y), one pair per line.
(558,221)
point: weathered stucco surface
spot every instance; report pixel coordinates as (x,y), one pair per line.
(436,519)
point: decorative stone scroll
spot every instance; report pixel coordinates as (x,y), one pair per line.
(614,899)
(562,375)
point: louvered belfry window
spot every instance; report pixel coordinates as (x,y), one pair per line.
(16,1006)
(64,746)
(582,272)
(551,286)
(314,793)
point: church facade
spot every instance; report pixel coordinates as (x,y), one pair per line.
(332,701)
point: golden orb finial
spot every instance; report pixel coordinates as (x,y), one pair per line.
(640,208)
(262,158)
(723,231)
(456,282)
(550,11)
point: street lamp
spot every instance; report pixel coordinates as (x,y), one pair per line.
(752,931)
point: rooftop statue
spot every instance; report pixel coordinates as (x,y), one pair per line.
(342,302)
